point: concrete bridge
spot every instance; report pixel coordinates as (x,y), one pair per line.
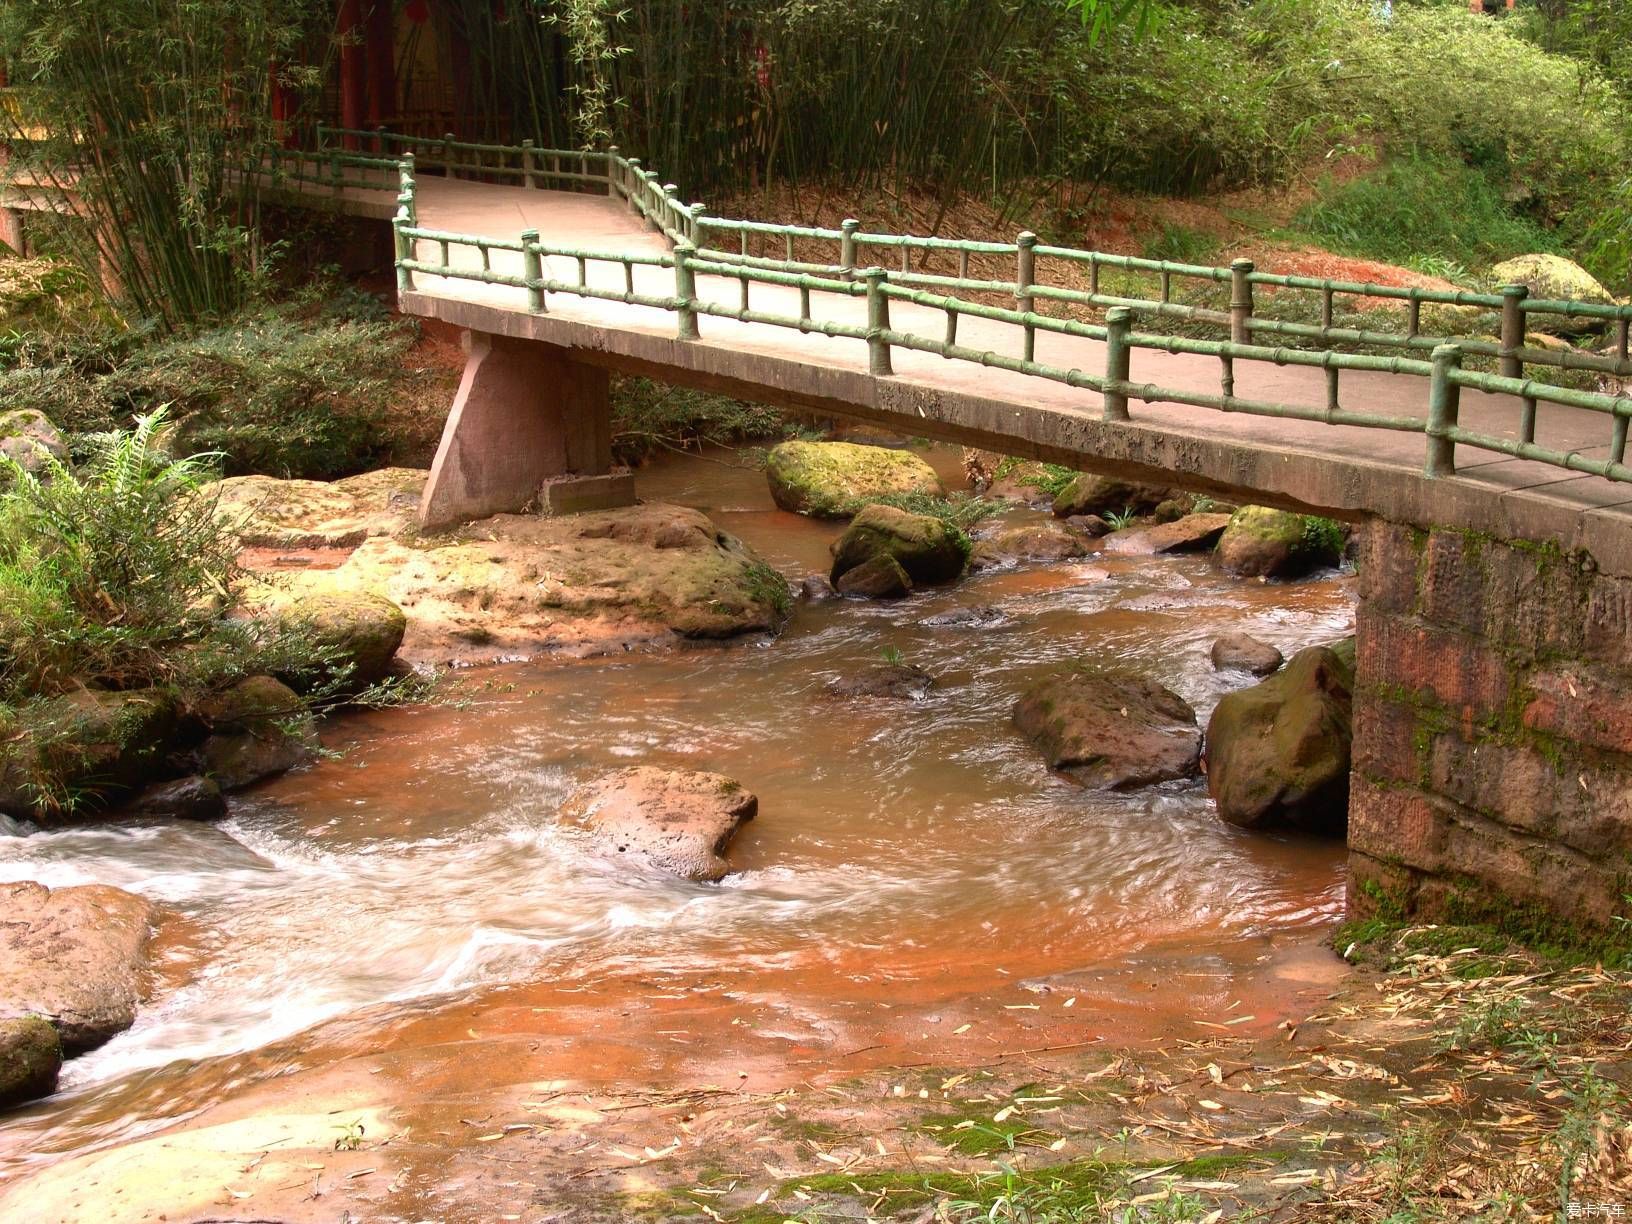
(1493,712)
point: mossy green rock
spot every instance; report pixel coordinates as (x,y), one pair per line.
(30,1059)
(1088,494)
(1110,730)
(28,438)
(259,729)
(1553,278)
(833,480)
(358,630)
(1278,753)
(1263,543)
(927,548)
(89,747)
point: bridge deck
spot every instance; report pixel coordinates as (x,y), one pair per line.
(1341,470)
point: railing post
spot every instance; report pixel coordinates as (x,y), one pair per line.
(1444,402)
(527,179)
(697,224)
(636,178)
(685,290)
(1512,341)
(408,186)
(878,324)
(1118,361)
(1025,275)
(1513,329)
(612,171)
(847,244)
(532,263)
(404,245)
(447,155)
(1240,301)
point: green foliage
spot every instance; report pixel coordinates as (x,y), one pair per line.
(1323,536)
(649,416)
(117,575)
(961,510)
(1181,244)
(1423,207)
(282,392)
(155,113)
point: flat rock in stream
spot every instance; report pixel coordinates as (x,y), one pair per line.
(516,585)
(677,820)
(76,956)
(1192,533)
(1109,730)
(1243,652)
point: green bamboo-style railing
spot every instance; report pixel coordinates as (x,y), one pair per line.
(853,274)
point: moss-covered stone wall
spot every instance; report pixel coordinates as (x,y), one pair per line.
(1493,730)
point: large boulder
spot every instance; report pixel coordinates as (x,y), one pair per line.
(192,798)
(76,956)
(927,548)
(879,577)
(1264,543)
(259,728)
(518,585)
(1553,278)
(1110,730)
(1278,752)
(1187,534)
(30,440)
(358,633)
(1088,494)
(677,820)
(83,750)
(30,1059)
(1033,542)
(835,479)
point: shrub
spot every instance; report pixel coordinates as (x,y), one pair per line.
(117,575)
(648,416)
(1423,207)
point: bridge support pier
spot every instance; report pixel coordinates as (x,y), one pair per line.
(1492,732)
(530,428)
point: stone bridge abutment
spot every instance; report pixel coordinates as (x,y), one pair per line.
(1492,769)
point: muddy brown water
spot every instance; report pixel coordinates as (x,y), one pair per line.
(917,887)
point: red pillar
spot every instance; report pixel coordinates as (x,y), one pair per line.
(382,65)
(283,106)
(353,84)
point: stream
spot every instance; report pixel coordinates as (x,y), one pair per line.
(914,868)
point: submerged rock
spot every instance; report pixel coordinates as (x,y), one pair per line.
(30,1059)
(1243,652)
(1188,534)
(1263,543)
(814,588)
(677,820)
(928,549)
(76,956)
(514,585)
(899,681)
(1110,730)
(1553,278)
(1278,753)
(1042,542)
(192,798)
(258,729)
(1106,495)
(834,479)
(1090,525)
(30,440)
(975,616)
